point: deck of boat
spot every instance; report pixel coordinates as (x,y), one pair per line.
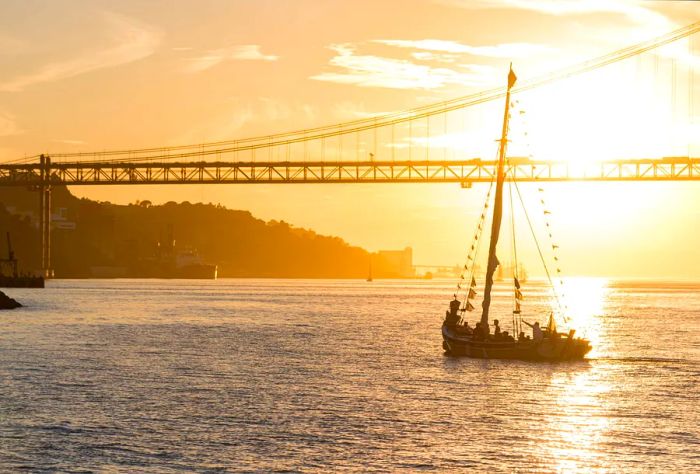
(549,349)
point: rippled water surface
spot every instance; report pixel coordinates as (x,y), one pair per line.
(264,375)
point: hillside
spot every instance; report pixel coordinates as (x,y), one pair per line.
(89,233)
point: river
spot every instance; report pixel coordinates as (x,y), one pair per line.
(332,375)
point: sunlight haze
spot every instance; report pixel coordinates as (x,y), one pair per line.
(130,74)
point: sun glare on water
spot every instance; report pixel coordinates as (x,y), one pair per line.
(584,299)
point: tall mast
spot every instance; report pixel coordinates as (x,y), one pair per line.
(497,207)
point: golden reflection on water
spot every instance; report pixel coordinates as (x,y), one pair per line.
(585,300)
(578,428)
(575,420)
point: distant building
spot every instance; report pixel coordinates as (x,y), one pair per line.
(397,263)
(59,220)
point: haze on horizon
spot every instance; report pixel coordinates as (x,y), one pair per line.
(130,74)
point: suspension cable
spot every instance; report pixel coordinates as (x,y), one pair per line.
(280,139)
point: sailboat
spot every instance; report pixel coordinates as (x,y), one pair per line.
(459,339)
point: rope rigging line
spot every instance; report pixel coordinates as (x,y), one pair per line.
(545,212)
(537,244)
(516,303)
(473,253)
(555,254)
(306,135)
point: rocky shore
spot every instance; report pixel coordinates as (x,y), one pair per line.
(8,303)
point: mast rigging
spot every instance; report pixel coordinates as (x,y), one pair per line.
(497,208)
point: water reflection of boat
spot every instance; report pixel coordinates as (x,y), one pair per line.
(505,271)
(459,339)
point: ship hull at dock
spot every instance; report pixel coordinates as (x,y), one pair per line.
(553,350)
(21,282)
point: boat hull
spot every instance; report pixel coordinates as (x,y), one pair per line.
(559,349)
(21,282)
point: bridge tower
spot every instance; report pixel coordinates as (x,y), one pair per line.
(45,215)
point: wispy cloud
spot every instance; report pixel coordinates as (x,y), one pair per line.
(436,57)
(506,50)
(634,11)
(247,116)
(353,110)
(378,71)
(222,127)
(246,52)
(8,125)
(68,141)
(130,40)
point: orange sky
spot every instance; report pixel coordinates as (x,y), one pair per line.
(85,76)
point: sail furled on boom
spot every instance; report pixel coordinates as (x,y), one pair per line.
(498,207)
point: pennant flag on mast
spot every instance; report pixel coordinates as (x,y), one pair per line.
(470,307)
(473,282)
(511,77)
(518,294)
(472,293)
(516,282)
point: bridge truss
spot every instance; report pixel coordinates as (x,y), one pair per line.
(465,172)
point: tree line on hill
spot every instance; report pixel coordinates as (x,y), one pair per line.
(88,234)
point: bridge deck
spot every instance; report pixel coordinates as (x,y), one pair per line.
(466,171)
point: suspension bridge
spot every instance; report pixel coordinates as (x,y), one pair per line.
(411,146)
(464,172)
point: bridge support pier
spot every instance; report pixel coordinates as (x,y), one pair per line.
(45,216)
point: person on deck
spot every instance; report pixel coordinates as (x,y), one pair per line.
(536,331)
(496,329)
(478,333)
(467,328)
(454,306)
(452,317)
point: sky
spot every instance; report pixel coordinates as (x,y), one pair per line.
(100,75)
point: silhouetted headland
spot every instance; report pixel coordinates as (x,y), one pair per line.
(8,303)
(92,239)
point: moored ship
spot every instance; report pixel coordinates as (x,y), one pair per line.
(10,276)
(166,261)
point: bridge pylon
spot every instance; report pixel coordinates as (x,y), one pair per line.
(45,215)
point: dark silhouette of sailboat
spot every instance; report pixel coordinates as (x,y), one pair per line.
(479,342)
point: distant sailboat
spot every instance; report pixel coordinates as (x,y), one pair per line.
(459,339)
(369,275)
